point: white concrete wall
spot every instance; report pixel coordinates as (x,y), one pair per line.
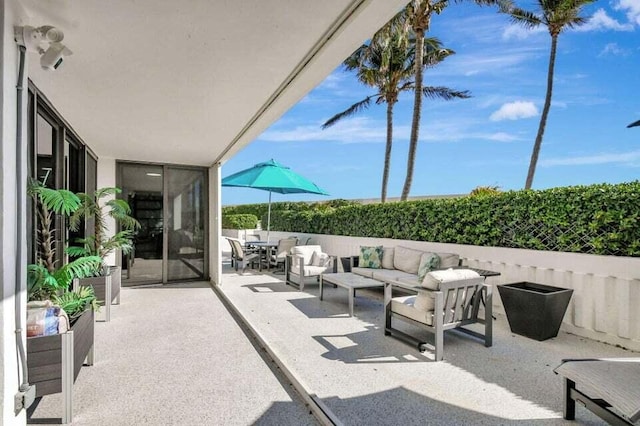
(605,305)
(107,178)
(10,16)
(215,224)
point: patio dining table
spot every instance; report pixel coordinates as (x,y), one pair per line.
(263,247)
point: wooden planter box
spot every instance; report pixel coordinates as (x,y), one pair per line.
(55,361)
(534,310)
(105,287)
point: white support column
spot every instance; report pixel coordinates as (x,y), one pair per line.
(215,223)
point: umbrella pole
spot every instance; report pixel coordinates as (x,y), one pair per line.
(269,217)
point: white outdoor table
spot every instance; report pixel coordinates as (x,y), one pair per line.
(351,282)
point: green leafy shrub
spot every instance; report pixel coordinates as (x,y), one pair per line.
(596,219)
(77,301)
(239,221)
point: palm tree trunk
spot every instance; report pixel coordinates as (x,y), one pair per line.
(387,152)
(417,107)
(545,113)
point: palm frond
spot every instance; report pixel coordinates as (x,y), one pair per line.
(444,93)
(353,109)
(75,251)
(59,201)
(83,267)
(104,192)
(634,124)
(525,18)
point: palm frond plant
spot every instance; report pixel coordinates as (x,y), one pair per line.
(46,278)
(75,302)
(92,207)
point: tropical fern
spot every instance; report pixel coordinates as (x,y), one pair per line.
(77,301)
(91,207)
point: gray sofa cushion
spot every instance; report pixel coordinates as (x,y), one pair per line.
(365,272)
(406,259)
(391,275)
(448,260)
(387,257)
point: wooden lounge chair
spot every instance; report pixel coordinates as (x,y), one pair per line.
(609,387)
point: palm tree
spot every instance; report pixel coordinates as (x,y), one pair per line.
(386,64)
(417,15)
(556,15)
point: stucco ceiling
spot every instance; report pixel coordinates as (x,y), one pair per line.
(192,82)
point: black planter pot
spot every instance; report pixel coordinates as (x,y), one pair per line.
(534,310)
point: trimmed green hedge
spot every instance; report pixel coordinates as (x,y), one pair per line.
(597,219)
(239,221)
(260,210)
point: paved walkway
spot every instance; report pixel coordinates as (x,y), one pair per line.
(174,355)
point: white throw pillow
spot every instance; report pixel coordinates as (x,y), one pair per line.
(320,259)
(433,279)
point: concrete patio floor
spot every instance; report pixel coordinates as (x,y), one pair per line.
(175,355)
(365,378)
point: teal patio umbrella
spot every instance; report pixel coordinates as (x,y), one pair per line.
(273,177)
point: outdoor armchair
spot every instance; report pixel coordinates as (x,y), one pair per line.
(241,256)
(306,263)
(445,300)
(278,255)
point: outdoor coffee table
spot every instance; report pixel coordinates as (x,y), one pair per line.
(351,282)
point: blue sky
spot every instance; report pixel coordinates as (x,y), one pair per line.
(485,140)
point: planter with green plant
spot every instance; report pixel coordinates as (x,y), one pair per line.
(54,360)
(106,280)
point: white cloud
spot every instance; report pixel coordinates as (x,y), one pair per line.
(518,32)
(354,130)
(614,50)
(514,111)
(502,137)
(629,158)
(632,8)
(600,21)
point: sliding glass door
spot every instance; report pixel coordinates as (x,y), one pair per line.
(170,202)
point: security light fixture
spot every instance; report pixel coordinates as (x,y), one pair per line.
(154,174)
(45,41)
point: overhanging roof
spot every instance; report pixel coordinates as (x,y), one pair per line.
(192,82)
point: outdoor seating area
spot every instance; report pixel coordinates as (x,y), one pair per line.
(344,363)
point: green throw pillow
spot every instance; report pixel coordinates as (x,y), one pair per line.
(428,262)
(370,257)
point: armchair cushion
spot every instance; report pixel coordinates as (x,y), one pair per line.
(370,257)
(433,279)
(406,259)
(304,254)
(406,306)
